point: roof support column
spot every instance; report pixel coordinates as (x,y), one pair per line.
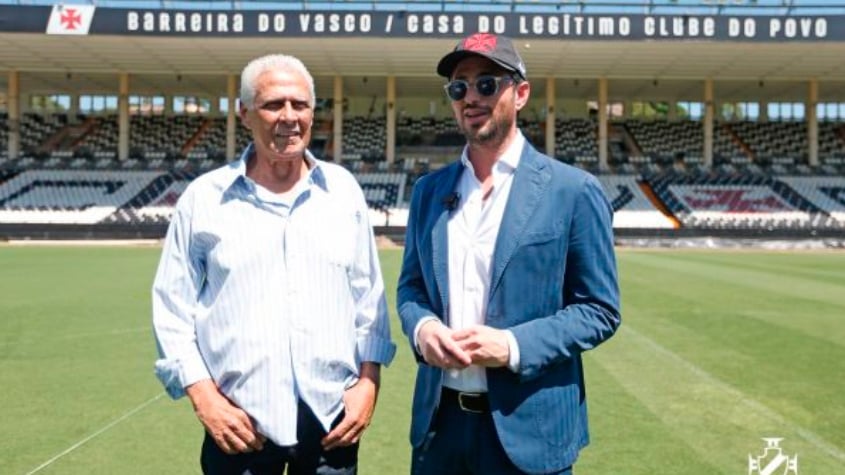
(390,123)
(13,103)
(231,121)
(812,122)
(73,111)
(709,109)
(603,123)
(550,117)
(337,122)
(123,118)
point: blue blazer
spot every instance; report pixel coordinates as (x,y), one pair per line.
(554,285)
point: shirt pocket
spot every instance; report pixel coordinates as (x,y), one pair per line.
(331,239)
(547,233)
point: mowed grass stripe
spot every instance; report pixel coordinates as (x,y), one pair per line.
(386,447)
(58,339)
(789,301)
(790,371)
(777,284)
(720,423)
(827,267)
(621,426)
(57,388)
(99,431)
(163,438)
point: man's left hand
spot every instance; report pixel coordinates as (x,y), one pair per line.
(487,346)
(359,404)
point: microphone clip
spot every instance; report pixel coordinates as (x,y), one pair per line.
(450,202)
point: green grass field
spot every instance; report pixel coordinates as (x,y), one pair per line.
(716,351)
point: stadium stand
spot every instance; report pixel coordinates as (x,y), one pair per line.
(65,196)
(71,165)
(631,206)
(742,201)
(664,200)
(575,141)
(364,139)
(656,180)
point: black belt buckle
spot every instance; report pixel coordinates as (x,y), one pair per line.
(471,402)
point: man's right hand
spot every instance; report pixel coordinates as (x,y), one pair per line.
(439,349)
(229,426)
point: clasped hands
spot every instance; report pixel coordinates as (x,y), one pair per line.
(446,348)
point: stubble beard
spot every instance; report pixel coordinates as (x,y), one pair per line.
(493,132)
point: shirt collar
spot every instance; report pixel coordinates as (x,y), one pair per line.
(236,172)
(508,161)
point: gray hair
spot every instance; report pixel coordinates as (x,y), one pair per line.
(272,62)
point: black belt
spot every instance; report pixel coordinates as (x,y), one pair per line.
(468,402)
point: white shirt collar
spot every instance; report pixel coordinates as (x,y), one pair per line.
(508,161)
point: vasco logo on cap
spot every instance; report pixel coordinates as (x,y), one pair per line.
(480,42)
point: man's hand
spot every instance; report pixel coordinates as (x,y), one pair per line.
(229,426)
(438,347)
(486,346)
(359,402)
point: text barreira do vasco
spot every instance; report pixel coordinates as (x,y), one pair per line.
(517,25)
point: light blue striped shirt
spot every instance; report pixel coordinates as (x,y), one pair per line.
(274,300)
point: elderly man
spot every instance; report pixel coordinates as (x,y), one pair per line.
(268,304)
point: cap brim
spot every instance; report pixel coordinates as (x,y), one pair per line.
(448,63)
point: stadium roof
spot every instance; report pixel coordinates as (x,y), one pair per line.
(648,69)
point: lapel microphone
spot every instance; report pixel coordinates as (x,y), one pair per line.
(450,202)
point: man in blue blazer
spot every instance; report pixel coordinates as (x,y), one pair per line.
(508,276)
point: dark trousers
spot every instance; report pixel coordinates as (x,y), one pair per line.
(307,457)
(463,443)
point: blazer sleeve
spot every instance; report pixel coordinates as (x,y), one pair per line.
(412,297)
(591,313)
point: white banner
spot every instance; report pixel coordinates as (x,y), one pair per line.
(70,19)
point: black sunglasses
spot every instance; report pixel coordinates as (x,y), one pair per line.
(486,86)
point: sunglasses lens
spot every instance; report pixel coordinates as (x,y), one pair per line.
(486,86)
(457,90)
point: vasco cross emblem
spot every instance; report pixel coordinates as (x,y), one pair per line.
(772,460)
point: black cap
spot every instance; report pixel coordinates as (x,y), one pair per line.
(496,48)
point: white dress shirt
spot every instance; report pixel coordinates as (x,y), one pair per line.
(472,232)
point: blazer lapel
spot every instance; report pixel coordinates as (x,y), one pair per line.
(439,233)
(530,181)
